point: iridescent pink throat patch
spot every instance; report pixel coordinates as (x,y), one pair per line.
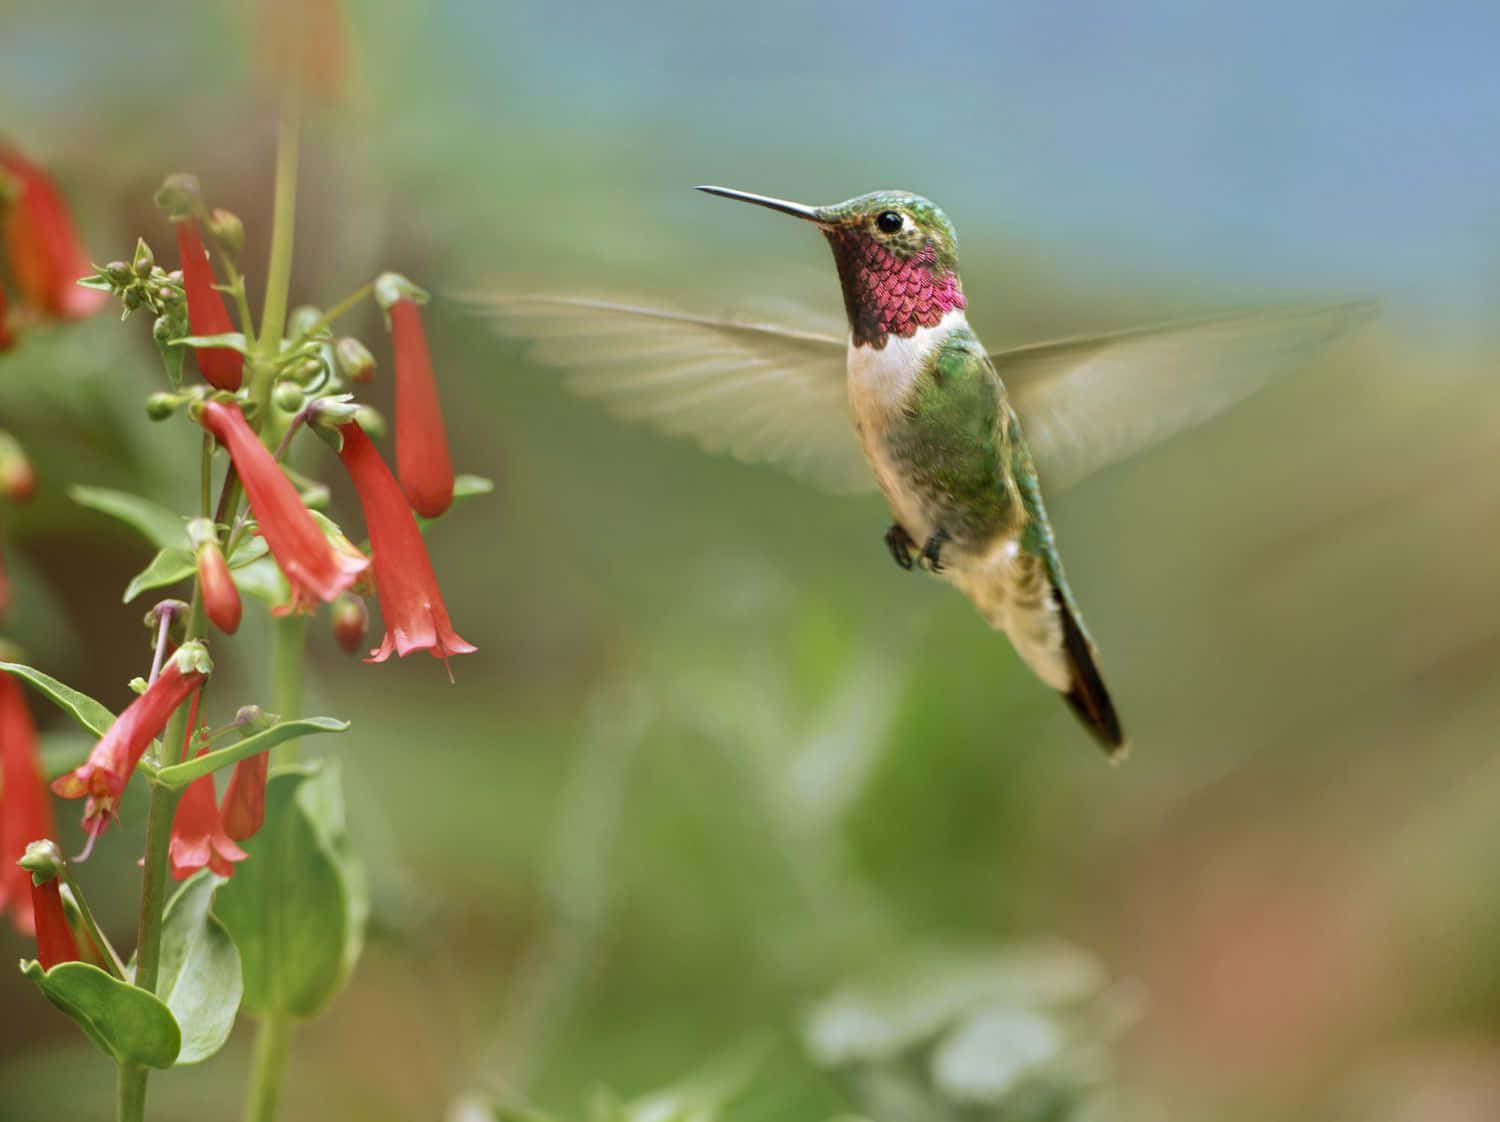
(885,294)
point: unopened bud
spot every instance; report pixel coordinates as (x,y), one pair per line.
(227,229)
(17,476)
(168,296)
(177,195)
(118,273)
(221,599)
(144,260)
(351,623)
(306,370)
(164,330)
(372,421)
(161,405)
(252,718)
(300,320)
(133,298)
(288,397)
(354,359)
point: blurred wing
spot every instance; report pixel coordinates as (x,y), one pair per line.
(1087,403)
(757,391)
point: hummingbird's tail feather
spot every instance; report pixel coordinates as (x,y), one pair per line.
(1086,694)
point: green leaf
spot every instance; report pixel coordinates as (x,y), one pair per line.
(85,710)
(297,907)
(159,525)
(262,579)
(168,567)
(233,340)
(200,970)
(180,775)
(171,361)
(129,1025)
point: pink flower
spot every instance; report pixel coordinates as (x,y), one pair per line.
(411,606)
(221,367)
(46,258)
(102,777)
(25,810)
(313,568)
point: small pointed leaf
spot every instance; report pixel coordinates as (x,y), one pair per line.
(84,709)
(297,907)
(200,970)
(233,340)
(159,525)
(129,1025)
(171,362)
(168,567)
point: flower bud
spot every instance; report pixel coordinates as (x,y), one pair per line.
(144,260)
(221,599)
(17,476)
(301,319)
(306,370)
(227,229)
(351,623)
(354,359)
(133,298)
(177,195)
(161,405)
(252,718)
(118,273)
(288,397)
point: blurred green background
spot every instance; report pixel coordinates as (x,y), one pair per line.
(716,754)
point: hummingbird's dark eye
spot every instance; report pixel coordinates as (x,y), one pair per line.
(888,221)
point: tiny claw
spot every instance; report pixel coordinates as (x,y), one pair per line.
(932,551)
(901,544)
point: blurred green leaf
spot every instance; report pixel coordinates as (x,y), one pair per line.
(909,1002)
(169,566)
(989,1054)
(297,907)
(171,361)
(85,710)
(262,579)
(200,970)
(128,1024)
(158,524)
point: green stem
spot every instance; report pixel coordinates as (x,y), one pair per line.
(131,1099)
(288,653)
(273,1042)
(283,228)
(333,313)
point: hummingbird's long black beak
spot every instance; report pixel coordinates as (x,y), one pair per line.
(796,210)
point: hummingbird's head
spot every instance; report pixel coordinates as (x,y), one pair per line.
(897,257)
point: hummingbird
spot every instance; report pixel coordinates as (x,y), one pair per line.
(923,411)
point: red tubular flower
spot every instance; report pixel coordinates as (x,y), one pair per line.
(244,805)
(102,777)
(199,836)
(412,608)
(314,569)
(54,938)
(25,810)
(46,258)
(221,367)
(422,459)
(221,599)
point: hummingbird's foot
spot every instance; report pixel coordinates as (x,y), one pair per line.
(932,552)
(901,544)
